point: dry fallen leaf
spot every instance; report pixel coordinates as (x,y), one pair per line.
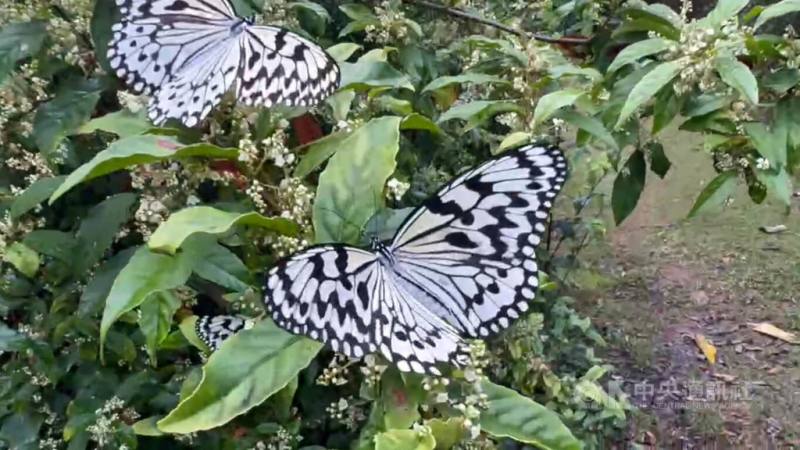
(773,331)
(706,347)
(773,229)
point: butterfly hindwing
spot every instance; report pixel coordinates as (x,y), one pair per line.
(187,54)
(214,330)
(471,248)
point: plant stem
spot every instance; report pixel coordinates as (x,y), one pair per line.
(455,12)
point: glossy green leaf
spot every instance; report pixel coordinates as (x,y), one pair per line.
(105,14)
(98,229)
(513,140)
(384,223)
(404,440)
(638,50)
(659,163)
(318,152)
(724,10)
(511,415)
(223,267)
(419,122)
(472,78)
(340,103)
(591,125)
(647,87)
(58,244)
(715,193)
(204,219)
(36,193)
(145,274)
(10,340)
(351,187)
(342,51)
(549,104)
(64,114)
(123,123)
(135,150)
(665,108)
(778,183)
(770,143)
(19,41)
(23,258)
(400,403)
(628,186)
(147,427)
(156,319)
(477,112)
(781,80)
(373,74)
(247,369)
(448,432)
(394,105)
(776,10)
(738,76)
(97,289)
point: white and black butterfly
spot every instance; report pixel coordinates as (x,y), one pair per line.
(213,330)
(462,265)
(188,53)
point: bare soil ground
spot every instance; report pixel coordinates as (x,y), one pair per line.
(673,279)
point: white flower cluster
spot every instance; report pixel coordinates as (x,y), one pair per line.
(699,46)
(372,370)
(396,189)
(277,12)
(294,200)
(392,27)
(149,215)
(107,419)
(132,102)
(283,440)
(336,372)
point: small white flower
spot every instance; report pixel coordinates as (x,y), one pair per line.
(762,164)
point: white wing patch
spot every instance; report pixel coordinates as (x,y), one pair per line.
(463,265)
(213,331)
(187,54)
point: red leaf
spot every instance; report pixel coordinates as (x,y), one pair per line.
(306,129)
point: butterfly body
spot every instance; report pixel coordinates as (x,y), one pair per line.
(187,53)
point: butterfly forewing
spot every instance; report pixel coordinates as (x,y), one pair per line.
(188,53)
(470,249)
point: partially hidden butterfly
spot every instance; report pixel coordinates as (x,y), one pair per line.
(187,54)
(214,330)
(462,265)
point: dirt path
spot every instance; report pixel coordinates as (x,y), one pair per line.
(675,280)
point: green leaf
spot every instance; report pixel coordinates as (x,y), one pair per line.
(703,104)
(513,140)
(20,431)
(351,187)
(509,414)
(19,41)
(738,76)
(552,102)
(341,102)
(477,112)
(419,122)
(36,193)
(23,258)
(318,152)
(204,219)
(98,287)
(641,22)
(104,15)
(628,186)
(724,10)
(97,230)
(312,7)
(247,369)
(404,440)
(223,267)
(145,274)
(343,51)
(147,427)
(647,87)
(58,244)
(638,50)
(778,183)
(401,404)
(771,144)
(659,163)
(776,10)
(384,223)
(64,115)
(591,125)
(715,193)
(189,331)
(135,150)
(394,105)
(10,340)
(473,78)
(781,80)
(372,74)
(123,123)
(156,319)
(447,433)
(665,108)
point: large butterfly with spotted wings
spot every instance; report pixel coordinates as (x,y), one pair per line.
(187,54)
(462,265)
